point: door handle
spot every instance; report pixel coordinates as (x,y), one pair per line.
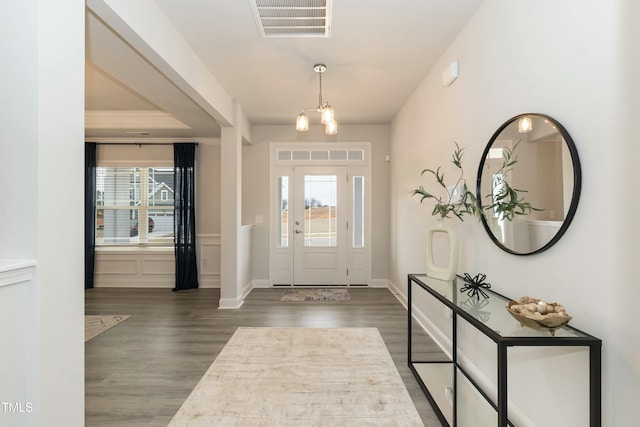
(298,231)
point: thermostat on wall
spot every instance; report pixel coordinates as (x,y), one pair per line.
(450,74)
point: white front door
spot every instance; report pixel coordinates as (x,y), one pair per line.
(320,215)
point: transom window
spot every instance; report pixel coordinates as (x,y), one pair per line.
(134,206)
(321,154)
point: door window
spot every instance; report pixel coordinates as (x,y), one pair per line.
(320,210)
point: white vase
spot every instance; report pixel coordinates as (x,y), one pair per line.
(448,271)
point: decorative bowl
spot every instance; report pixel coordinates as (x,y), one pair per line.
(554,318)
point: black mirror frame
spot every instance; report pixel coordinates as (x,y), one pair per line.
(577,183)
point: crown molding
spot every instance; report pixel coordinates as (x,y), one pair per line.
(142,141)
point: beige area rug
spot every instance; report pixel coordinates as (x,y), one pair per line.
(315,295)
(300,377)
(94,325)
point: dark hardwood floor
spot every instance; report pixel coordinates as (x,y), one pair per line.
(139,372)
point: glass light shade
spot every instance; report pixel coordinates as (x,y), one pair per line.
(525,125)
(331,127)
(302,122)
(326,114)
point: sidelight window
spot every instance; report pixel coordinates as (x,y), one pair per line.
(358,212)
(283,212)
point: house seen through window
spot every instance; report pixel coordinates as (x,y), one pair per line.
(134,206)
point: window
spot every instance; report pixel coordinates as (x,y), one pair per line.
(321,154)
(283,211)
(134,206)
(320,210)
(358,212)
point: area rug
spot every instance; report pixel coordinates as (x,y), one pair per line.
(94,325)
(315,295)
(300,377)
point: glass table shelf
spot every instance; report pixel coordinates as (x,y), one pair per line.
(490,316)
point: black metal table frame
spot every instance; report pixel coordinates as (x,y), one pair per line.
(595,358)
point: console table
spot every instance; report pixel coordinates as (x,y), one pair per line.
(495,323)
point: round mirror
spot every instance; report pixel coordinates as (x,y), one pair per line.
(528,184)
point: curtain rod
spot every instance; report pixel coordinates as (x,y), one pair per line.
(140,144)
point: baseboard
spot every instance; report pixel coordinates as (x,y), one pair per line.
(230,303)
(209,281)
(102,282)
(245,290)
(261,283)
(400,296)
(379,283)
(266,283)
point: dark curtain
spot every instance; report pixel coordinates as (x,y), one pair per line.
(184,219)
(89,212)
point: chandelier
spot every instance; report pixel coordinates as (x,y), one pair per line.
(325,110)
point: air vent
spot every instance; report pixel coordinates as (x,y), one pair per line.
(292,18)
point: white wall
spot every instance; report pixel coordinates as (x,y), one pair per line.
(575,61)
(41,164)
(255,191)
(208,188)
(18,227)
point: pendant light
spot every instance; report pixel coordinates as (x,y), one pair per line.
(525,125)
(327,117)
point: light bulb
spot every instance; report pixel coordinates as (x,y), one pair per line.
(525,125)
(331,128)
(302,122)
(326,114)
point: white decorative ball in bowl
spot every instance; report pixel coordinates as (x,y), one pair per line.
(538,314)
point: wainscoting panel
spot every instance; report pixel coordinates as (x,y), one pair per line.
(134,269)
(158,267)
(110,264)
(155,267)
(209,251)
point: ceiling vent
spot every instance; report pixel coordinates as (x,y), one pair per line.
(293,18)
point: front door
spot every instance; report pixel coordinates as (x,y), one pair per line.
(320,215)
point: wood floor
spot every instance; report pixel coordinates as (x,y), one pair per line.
(139,372)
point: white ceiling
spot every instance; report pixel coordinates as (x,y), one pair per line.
(378,53)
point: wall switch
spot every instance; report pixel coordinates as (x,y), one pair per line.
(259,219)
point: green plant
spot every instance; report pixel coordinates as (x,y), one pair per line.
(508,202)
(453,204)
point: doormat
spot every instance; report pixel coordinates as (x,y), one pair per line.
(94,325)
(291,377)
(315,295)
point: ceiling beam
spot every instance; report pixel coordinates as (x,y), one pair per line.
(147,30)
